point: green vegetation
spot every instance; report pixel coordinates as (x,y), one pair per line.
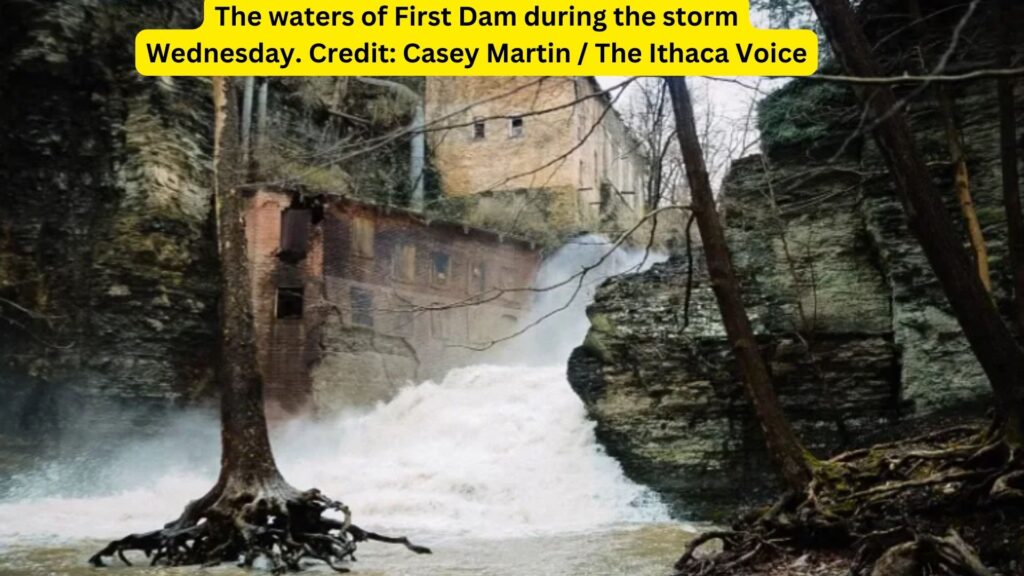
(802,114)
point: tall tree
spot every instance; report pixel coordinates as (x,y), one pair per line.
(957,155)
(962,184)
(989,338)
(784,446)
(1009,159)
(251,510)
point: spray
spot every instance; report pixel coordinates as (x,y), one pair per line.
(499,449)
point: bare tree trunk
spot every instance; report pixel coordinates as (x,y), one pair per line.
(782,441)
(251,511)
(1008,156)
(259,150)
(961,176)
(245,444)
(248,93)
(962,183)
(989,337)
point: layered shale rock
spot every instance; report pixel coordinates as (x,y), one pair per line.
(108,271)
(858,335)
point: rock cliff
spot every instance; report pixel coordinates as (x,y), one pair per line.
(858,335)
(108,273)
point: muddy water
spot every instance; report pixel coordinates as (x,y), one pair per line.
(495,467)
(634,551)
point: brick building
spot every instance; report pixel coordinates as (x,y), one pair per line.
(500,137)
(352,300)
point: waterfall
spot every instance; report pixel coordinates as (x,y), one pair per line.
(499,449)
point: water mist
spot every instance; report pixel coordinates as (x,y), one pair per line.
(498,449)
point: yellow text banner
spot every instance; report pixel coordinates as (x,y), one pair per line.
(476,38)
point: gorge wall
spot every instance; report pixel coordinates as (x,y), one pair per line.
(108,272)
(857,333)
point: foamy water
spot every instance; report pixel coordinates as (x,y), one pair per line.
(495,451)
(492,451)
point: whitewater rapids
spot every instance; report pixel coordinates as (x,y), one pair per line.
(491,451)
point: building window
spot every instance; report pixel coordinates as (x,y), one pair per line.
(479,129)
(289,303)
(295,226)
(478,278)
(441,268)
(606,199)
(404,262)
(361,302)
(515,127)
(362,237)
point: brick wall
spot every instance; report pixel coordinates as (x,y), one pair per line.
(416,268)
(572,150)
(383,272)
(286,346)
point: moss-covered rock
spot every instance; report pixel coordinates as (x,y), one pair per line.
(108,272)
(822,247)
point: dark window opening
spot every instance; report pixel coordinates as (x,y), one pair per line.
(295,227)
(362,307)
(515,127)
(607,193)
(289,303)
(479,129)
(442,263)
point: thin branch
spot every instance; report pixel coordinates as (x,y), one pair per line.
(926,79)
(579,277)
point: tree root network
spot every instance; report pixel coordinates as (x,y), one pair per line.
(888,510)
(274,521)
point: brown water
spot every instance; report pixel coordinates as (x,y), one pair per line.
(636,551)
(495,467)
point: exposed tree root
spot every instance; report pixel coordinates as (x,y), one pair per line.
(235,523)
(887,509)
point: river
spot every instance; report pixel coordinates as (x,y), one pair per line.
(495,467)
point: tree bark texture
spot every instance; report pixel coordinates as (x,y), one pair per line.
(1009,158)
(785,448)
(990,339)
(245,443)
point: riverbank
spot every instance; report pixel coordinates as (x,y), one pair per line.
(639,550)
(945,502)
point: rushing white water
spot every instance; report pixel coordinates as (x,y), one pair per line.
(495,451)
